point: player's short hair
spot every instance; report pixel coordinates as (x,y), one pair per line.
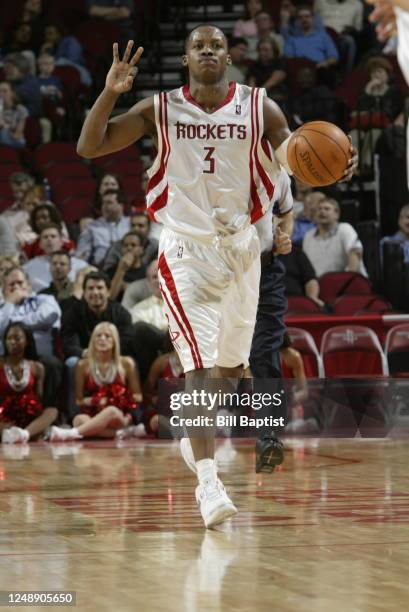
(204,25)
(305,7)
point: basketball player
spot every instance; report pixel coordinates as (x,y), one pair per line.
(209,167)
(272,306)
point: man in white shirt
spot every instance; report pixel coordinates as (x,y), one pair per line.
(333,246)
(38,268)
(95,241)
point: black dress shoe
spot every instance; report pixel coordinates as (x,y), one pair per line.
(269,453)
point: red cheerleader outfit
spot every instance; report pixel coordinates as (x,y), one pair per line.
(19,407)
(116,394)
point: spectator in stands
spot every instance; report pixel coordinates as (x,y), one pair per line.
(378,105)
(6,263)
(140,223)
(380,93)
(95,241)
(66,50)
(16,215)
(80,319)
(289,22)
(61,286)
(333,246)
(345,18)
(51,86)
(265,30)
(247,27)
(402,235)
(39,313)
(311,43)
(150,323)
(237,70)
(23,416)
(21,40)
(108,391)
(114,11)
(32,14)
(12,117)
(300,277)
(269,71)
(41,216)
(105,183)
(313,101)
(27,87)
(8,243)
(305,220)
(135,293)
(38,268)
(130,267)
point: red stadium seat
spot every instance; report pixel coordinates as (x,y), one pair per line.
(303,342)
(125,168)
(132,187)
(54,152)
(5,190)
(130,154)
(32,132)
(351,351)
(70,77)
(68,188)
(74,208)
(5,203)
(8,155)
(58,172)
(7,169)
(348,305)
(302,305)
(397,350)
(335,284)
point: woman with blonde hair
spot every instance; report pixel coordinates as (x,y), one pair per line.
(107,389)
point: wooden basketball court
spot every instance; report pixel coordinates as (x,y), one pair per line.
(119,525)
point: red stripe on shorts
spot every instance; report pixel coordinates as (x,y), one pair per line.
(188,331)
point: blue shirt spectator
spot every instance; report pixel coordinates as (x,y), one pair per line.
(16,70)
(95,241)
(401,236)
(311,43)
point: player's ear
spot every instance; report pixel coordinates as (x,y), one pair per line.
(229,60)
(184,60)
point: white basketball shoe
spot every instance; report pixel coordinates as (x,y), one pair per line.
(215,505)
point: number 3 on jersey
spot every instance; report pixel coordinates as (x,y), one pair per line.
(209,158)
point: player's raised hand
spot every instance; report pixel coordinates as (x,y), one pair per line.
(122,72)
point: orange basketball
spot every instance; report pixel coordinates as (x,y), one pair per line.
(318,153)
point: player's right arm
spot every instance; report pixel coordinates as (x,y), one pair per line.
(101,135)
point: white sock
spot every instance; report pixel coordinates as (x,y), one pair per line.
(25,435)
(206,471)
(74,433)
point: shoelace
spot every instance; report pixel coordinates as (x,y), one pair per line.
(211,491)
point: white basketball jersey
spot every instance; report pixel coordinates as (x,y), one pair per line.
(210,172)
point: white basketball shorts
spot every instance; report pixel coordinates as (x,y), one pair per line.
(210,289)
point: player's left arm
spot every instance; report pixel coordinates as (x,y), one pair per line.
(278,133)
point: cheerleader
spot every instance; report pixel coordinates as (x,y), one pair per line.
(107,389)
(22,415)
